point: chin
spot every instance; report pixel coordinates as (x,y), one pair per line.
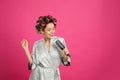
(49,37)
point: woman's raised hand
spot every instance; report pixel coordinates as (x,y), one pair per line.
(24,44)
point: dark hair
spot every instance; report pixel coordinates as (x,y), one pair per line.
(43,21)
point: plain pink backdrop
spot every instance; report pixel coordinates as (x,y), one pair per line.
(91,29)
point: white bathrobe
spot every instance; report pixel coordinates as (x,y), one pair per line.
(46,63)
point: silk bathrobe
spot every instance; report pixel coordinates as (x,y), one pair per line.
(46,63)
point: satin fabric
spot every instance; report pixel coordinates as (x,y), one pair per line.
(46,62)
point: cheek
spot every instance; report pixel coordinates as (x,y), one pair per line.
(47,32)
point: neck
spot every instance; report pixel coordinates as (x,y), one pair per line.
(46,39)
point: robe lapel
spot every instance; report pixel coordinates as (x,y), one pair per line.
(48,53)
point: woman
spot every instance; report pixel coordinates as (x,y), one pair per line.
(46,55)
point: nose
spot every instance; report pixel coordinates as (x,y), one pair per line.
(52,31)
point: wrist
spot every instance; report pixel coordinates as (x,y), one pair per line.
(26,49)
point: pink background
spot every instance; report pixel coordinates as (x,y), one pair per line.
(91,29)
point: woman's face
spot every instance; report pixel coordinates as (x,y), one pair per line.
(49,31)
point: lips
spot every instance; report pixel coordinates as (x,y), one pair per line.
(51,34)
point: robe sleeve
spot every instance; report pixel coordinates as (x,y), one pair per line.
(67,62)
(34,58)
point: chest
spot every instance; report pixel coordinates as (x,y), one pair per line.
(43,52)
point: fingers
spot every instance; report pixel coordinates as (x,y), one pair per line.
(66,51)
(24,42)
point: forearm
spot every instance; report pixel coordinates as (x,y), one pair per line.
(28,55)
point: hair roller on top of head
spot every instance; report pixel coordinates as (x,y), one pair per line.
(43,21)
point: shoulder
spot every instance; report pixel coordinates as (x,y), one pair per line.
(38,42)
(61,39)
(58,38)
